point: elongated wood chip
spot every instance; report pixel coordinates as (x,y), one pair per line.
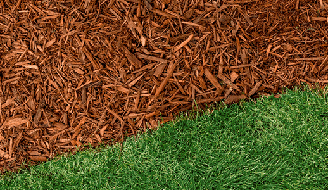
(184,43)
(212,79)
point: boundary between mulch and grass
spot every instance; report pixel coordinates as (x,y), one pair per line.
(263,144)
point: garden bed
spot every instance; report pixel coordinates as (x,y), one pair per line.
(76,73)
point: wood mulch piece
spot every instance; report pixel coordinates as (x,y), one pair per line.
(80,72)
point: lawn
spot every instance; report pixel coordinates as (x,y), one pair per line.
(270,143)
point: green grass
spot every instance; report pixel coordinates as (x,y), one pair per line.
(273,143)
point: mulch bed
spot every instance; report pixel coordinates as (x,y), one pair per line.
(88,72)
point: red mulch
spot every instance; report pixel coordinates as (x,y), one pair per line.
(80,72)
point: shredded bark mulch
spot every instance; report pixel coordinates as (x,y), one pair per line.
(88,72)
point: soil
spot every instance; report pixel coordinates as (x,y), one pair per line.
(75,73)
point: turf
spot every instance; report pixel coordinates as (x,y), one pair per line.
(270,143)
